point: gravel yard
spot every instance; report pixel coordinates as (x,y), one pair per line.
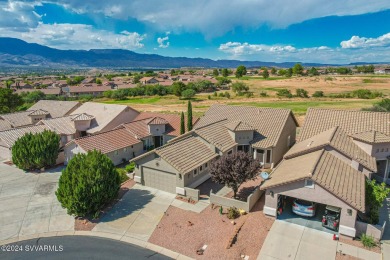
(185,232)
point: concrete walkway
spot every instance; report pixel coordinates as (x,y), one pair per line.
(290,241)
(385,216)
(28,204)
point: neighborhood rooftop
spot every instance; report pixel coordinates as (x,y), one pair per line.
(337,139)
(352,122)
(9,137)
(268,122)
(328,171)
(107,141)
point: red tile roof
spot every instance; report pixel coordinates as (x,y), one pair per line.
(107,141)
(173,127)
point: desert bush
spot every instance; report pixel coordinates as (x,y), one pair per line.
(233,213)
(263,94)
(122,174)
(130,167)
(300,92)
(367,241)
(318,94)
(284,93)
(249,94)
(366,94)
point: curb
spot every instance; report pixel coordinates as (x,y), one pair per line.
(122,238)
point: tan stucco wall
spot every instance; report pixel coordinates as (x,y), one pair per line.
(125,116)
(82,125)
(383,153)
(242,137)
(156,129)
(72,149)
(126,155)
(316,194)
(289,129)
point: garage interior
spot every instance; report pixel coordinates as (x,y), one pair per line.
(311,222)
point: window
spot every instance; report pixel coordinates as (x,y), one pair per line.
(377,150)
(195,172)
(230,152)
(206,165)
(200,168)
(125,149)
(309,184)
(180,176)
(288,141)
(116,152)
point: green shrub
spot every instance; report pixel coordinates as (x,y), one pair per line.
(366,94)
(221,94)
(367,241)
(263,94)
(122,174)
(208,97)
(233,213)
(227,94)
(302,93)
(318,94)
(130,167)
(284,93)
(328,78)
(87,183)
(215,94)
(249,94)
(35,151)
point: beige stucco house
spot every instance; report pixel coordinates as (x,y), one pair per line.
(338,150)
(184,161)
(88,119)
(43,109)
(146,131)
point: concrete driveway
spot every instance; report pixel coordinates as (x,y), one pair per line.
(290,241)
(28,204)
(137,214)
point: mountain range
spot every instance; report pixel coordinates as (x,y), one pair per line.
(16,52)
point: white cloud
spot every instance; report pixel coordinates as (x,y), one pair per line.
(214,18)
(18,15)
(239,49)
(322,54)
(363,42)
(163,42)
(78,36)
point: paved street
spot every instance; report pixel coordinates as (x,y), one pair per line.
(290,241)
(80,247)
(28,204)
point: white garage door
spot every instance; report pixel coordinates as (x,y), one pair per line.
(159,180)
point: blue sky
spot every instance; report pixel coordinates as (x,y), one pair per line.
(325,31)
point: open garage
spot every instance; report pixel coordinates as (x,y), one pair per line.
(286,214)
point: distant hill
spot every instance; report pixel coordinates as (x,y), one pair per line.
(20,53)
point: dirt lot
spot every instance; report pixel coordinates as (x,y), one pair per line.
(186,232)
(328,84)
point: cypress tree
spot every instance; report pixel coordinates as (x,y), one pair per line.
(182,125)
(189,116)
